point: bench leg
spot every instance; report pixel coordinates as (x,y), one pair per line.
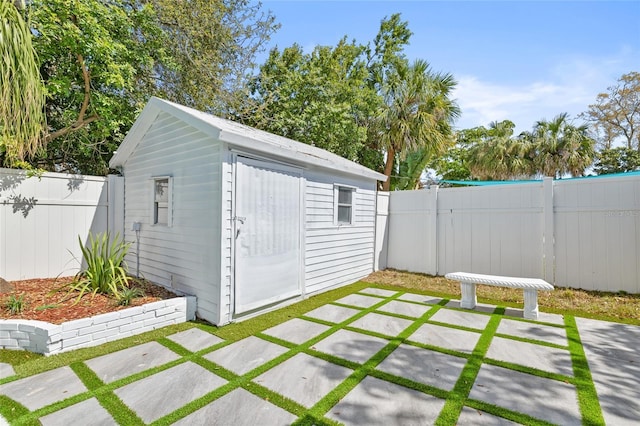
(468,291)
(531,304)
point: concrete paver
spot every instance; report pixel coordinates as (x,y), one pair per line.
(424,366)
(195,339)
(383,324)
(246,354)
(463,319)
(542,316)
(296,330)
(118,365)
(377,402)
(359,300)
(77,415)
(45,388)
(6,370)
(352,346)
(610,348)
(239,408)
(164,392)
(303,378)
(378,292)
(445,337)
(480,307)
(553,360)
(534,331)
(420,298)
(472,417)
(332,313)
(405,308)
(546,399)
(612,353)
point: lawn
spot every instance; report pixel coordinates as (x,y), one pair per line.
(27,364)
(618,307)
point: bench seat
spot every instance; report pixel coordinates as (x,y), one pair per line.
(530,286)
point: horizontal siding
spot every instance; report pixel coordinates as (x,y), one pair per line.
(337,255)
(186,255)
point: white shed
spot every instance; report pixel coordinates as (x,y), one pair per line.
(243,219)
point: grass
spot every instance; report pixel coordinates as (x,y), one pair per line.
(581,303)
(619,307)
(15,304)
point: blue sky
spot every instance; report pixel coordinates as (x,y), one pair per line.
(517,60)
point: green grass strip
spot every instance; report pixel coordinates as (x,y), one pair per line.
(453,406)
(514,416)
(120,412)
(587,395)
(323,406)
(13,410)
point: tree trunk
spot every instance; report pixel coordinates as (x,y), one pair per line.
(388,168)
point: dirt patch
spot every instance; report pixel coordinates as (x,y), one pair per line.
(43,300)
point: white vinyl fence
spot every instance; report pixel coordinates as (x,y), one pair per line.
(42,217)
(579,233)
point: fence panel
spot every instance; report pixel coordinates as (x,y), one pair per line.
(597,241)
(491,230)
(41,219)
(412,231)
(582,233)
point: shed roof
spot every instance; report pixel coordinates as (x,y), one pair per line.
(237,135)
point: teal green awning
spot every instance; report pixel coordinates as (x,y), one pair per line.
(512,182)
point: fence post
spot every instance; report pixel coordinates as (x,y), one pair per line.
(115,217)
(548,254)
(434,229)
(382,231)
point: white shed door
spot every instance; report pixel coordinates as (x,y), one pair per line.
(267,232)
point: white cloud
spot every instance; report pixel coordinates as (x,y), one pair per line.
(569,86)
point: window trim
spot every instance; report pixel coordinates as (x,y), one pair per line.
(337,204)
(154,212)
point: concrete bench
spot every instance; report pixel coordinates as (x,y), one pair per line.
(531,286)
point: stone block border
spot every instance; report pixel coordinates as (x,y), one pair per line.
(48,339)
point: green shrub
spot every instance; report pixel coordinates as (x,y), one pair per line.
(15,304)
(128,294)
(105,272)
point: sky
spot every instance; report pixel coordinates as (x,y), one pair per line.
(518,60)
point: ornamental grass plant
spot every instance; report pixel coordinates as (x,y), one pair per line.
(106,270)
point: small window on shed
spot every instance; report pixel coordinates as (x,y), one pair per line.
(162,201)
(344,201)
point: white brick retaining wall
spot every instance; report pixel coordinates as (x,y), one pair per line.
(45,338)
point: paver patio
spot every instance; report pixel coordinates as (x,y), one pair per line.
(374,357)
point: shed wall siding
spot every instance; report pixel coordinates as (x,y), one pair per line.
(183,256)
(337,255)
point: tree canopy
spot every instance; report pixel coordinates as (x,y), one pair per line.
(101,61)
(320,98)
(552,148)
(617,160)
(616,113)
(363,102)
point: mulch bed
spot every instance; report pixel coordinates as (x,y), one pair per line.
(44,301)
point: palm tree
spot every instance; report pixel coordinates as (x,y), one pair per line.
(417,114)
(22,99)
(500,156)
(562,148)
